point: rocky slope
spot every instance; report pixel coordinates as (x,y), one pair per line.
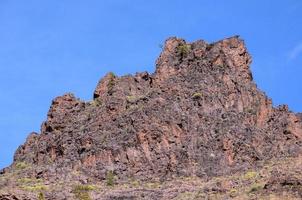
(168,135)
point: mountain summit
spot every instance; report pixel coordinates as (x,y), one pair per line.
(197,128)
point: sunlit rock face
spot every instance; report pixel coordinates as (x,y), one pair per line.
(199,114)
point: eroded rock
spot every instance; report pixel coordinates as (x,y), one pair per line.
(200,114)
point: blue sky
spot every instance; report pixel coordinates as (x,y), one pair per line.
(48,48)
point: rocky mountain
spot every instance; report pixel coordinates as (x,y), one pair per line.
(197,128)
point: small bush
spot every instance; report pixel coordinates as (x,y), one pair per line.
(81,192)
(34,188)
(21,165)
(186,196)
(135,183)
(250,175)
(255,187)
(85,187)
(233,193)
(197,95)
(112,75)
(82,195)
(28,182)
(25,180)
(41,196)
(110,178)
(153,185)
(131,99)
(183,50)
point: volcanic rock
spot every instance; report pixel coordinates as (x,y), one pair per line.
(199,115)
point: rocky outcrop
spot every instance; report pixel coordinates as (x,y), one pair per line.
(199,115)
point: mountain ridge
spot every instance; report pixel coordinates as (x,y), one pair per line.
(200,115)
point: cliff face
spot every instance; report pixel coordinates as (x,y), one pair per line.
(199,115)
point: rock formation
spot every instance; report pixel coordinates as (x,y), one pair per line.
(199,115)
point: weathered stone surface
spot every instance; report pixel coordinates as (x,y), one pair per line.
(199,115)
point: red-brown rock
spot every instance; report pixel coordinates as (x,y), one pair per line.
(200,114)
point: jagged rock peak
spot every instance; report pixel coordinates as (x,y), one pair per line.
(177,53)
(179,58)
(105,85)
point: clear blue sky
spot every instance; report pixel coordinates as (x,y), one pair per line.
(48,48)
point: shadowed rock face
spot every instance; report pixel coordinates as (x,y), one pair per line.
(200,114)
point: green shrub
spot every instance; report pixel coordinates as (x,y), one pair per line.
(135,183)
(35,187)
(197,95)
(183,50)
(250,175)
(110,178)
(81,192)
(255,187)
(112,75)
(29,181)
(186,196)
(152,185)
(21,165)
(82,195)
(25,180)
(85,187)
(41,196)
(233,193)
(131,99)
